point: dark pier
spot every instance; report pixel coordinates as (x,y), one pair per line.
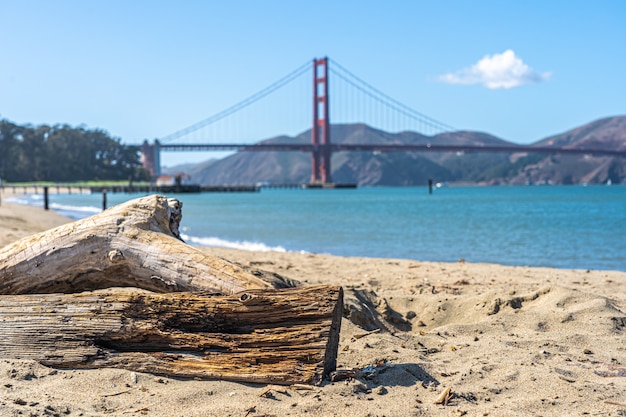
(165,189)
(178,189)
(161,189)
(327,186)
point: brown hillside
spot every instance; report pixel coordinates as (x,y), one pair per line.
(414,168)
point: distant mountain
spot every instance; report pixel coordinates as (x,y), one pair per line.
(244,168)
(608,133)
(188,167)
(414,168)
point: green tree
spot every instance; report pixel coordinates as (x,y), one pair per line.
(9,149)
(63,153)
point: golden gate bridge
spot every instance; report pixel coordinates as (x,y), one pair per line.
(321,147)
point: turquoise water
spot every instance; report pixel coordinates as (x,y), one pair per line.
(557,226)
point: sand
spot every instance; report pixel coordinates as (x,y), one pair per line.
(506,341)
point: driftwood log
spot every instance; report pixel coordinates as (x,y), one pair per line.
(136,244)
(267,336)
(60,304)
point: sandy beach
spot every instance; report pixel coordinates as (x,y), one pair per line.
(505,341)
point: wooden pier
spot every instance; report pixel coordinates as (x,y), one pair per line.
(329,186)
(313,186)
(158,189)
(163,189)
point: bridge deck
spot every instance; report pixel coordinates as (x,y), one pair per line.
(356,147)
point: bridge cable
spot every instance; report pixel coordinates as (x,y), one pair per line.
(383,98)
(244,103)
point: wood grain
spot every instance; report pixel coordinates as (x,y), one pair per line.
(267,336)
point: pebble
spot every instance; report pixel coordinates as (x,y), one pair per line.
(359,388)
(380,390)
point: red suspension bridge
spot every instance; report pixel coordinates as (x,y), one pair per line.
(203,136)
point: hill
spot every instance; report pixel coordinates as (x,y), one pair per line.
(607,133)
(413,168)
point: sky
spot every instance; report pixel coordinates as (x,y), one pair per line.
(519,70)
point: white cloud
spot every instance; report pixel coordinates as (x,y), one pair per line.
(504,70)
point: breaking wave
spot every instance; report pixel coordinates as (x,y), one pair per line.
(221,243)
(75,212)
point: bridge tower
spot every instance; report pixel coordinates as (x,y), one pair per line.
(151,158)
(320,132)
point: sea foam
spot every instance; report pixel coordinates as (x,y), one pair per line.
(221,243)
(75,212)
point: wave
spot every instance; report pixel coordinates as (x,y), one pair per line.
(221,243)
(75,212)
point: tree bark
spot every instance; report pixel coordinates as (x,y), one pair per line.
(136,244)
(266,336)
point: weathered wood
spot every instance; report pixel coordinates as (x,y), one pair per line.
(254,334)
(135,244)
(267,336)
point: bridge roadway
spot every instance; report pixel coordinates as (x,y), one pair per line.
(356,147)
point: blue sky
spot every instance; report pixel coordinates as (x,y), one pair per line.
(143,69)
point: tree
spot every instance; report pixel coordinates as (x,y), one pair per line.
(64,153)
(9,148)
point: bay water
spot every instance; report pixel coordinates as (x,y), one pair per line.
(570,227)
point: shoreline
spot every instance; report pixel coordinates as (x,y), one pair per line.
(507,341)
(261,247)
(32,219)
